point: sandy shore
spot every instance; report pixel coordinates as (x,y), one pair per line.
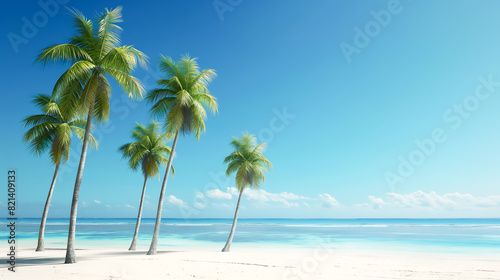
(288,264)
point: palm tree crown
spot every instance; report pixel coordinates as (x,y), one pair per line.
(93,53)
(247,161)
(182,96)
(53,129)
(149,151)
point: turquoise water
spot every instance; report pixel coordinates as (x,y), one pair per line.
(427,235)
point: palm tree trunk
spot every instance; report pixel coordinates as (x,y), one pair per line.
(41,232)
(154,241)
(231,234)
(70,249)
(138,223)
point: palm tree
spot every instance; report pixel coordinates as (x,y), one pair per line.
(181,99)
(249,164)
(148,152)
(52,131)
(93,53)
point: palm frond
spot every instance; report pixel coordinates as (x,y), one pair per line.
(109,32)
(148,151)
(129,83)
(80,133)
(39,119)
(84,37)
(103,93)
(247,161)
(63,53)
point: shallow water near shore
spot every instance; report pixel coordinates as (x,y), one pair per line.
(476,236)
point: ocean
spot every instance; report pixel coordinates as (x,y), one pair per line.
(476,236)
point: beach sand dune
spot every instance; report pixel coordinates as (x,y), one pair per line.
(288,264)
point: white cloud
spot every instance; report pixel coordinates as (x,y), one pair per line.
(218,194)
(259,196)
(199,205)
(328,200)
(199,195)
(233,191)
(432,200)
(478,201)
(263,196)
(129,206)
(376,202)
(97,202)
(175,201)
(291,196)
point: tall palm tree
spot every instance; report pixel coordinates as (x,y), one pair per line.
(249,164)
(52,131)
(148,152)
(181,98)
(93,53)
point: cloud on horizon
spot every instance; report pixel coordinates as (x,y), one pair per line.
(220,203)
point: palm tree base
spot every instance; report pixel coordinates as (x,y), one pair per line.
(70,260)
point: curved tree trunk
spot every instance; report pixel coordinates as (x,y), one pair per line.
(138,223)
(154,241)
(231,234)
(70,248)
(41,232)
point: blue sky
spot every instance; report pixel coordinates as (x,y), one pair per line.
(342,123)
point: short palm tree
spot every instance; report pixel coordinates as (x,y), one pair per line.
(181,98)
(148,152)
(249,164)
(52,131)
(94,52)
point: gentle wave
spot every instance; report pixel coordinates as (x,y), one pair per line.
(276,225)
(338,226)
(113,224)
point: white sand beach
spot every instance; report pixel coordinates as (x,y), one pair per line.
(288,264)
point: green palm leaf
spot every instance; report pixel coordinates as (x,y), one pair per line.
(182,97)
(52,131)
(149,151)
(247,162)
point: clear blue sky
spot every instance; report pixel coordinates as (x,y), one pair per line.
(354,115)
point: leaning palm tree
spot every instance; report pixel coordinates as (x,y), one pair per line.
(94,52)
(181,98)
(148,152)
(52,131)
(249,164)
